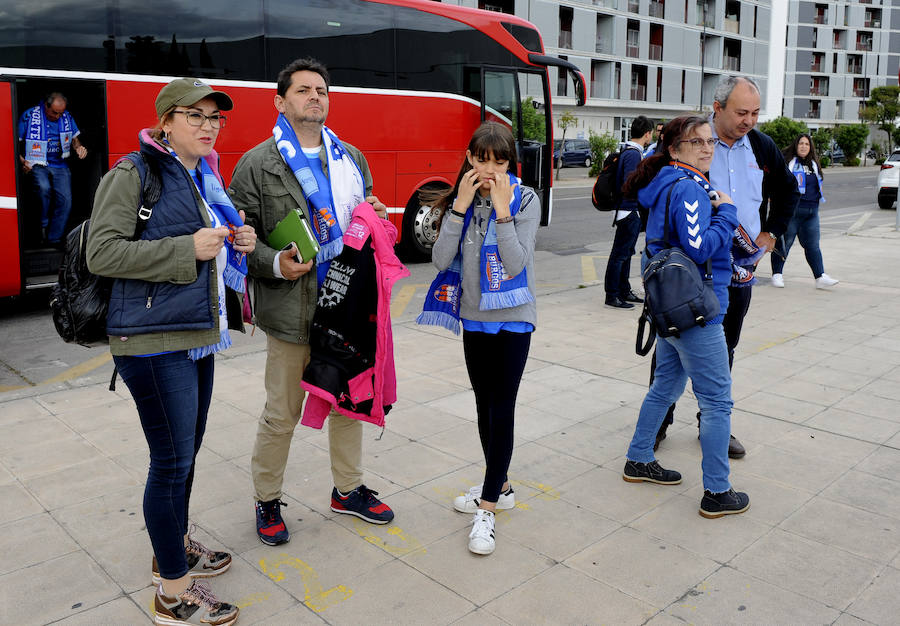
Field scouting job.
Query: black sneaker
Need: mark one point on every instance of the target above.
(270, 526)
(362, 503)
(652, 472)
(730, 502)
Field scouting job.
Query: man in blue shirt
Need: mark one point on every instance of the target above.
(748, 166)
(628, 221)
(47, 133)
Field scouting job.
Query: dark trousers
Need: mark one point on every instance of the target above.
(172, 394)
(618, 267)
(732, 323)
(495, 364)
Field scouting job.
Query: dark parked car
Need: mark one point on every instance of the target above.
(575, 152)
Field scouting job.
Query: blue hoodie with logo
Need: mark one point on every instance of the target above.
(694, 226)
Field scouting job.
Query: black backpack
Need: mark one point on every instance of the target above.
(607, 192)
(79, 300)
(675, 297)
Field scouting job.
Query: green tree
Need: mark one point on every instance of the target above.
(533, 124)
(852, 139)
(783, 130)
(601, 146)
(822, 138)
(565, 121)
(882, 108)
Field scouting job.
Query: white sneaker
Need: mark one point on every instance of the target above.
(778, 280)
(825, 281)
(469, 501)
(481, 539)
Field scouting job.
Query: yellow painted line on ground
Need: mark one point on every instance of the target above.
(4, 388)
(772, 344)
(401, 298)
(80, 369)
(588, 269)
(316, 597)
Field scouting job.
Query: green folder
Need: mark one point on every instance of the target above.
(294, 227)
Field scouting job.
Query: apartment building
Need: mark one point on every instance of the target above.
(658, 58)
(836, 52)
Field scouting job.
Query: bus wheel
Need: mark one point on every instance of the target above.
(420, 224)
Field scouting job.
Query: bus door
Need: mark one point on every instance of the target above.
(86, 101)
(501, 101)
(10, 274)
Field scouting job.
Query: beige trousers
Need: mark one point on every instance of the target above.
(284, 400)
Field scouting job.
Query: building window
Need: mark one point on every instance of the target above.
(818, 86)
(500, 6)
(659, 84)
(814, 109)
(864, 41)
(840, 37)
(873, 18)
(861, 87)
(634, 6)
(683, 84)
(733, 16)
(565, 27)
(821, 16)
(618, 82)
(839, 110)
(706, 13)
(638, 82)
(657, 8)
(731, 59)
(633, 39)
(854, 63)
(656, 42)
(562, 85)
(817, 59)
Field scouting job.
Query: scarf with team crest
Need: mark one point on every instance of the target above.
(36, 140)
(348, 187)
(499, 290)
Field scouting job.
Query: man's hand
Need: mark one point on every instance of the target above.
(378, 205)
(287, 263)
(26, 165)
(765, 240)
(81, 151)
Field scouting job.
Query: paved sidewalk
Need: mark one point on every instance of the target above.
(817, 385)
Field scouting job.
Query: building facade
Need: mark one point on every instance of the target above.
(659, 58)
(835, 54)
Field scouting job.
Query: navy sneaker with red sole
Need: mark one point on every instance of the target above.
(362, 503)
(270, 526)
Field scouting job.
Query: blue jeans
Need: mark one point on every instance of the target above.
(172, 394)
(805, 226)
(618, 267)
(700, 353)
(53, 186)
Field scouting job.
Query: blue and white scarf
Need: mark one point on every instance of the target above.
(348, 187)
(234, 274)
(797, 169)
(499, 290)
(36, 138)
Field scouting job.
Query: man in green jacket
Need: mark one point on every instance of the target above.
(335, 178)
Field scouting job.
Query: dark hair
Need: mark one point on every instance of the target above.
(791, 151)
(640, 126)
(491, 138)
(306, 64)
(672, 133)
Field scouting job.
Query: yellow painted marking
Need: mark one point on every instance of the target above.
(397, 542)
(588, 269)
(316, 597)
(253, 598)
(401, 299)
(4, 388)
(81, 369)
(547, 492)
(772, 344)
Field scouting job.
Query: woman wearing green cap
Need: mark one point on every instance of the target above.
(175, 294)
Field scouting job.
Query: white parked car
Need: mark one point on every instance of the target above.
(888, 180)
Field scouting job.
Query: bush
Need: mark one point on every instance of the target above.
(852, 162)
(783, 130)
(601, 146)
(824, 161)
(822, 138)
(851, 138)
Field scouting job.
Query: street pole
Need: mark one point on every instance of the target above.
(702, 54)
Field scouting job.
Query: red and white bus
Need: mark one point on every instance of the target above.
(411, 79)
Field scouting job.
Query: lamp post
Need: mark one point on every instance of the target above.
(702, 52)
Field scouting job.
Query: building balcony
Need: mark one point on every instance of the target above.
(632, 50)
(634, 6)
(602, 46)
(657, 9)
(565, 39)
(606, 4)
(818, 91)
(813, 114)
(820, 19)
(873, 23)
(866, 45)
(639, 92)
(656, 51)
(731, 63)
(855, 68)
(816, 67)
(860, 92)
(732, 26)
(838, 44)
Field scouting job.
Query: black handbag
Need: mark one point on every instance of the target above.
(676, 298)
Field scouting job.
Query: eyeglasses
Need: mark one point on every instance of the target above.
(195, 118)
(697, 142)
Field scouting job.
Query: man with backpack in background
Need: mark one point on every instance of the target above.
(628, 221)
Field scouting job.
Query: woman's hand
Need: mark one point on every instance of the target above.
(723, 197)
(468, 186)
(244, 237)
(208, 242)
(501, 194)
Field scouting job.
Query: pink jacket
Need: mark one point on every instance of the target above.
(379, 381)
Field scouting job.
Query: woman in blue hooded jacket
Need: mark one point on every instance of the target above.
(702, 224)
